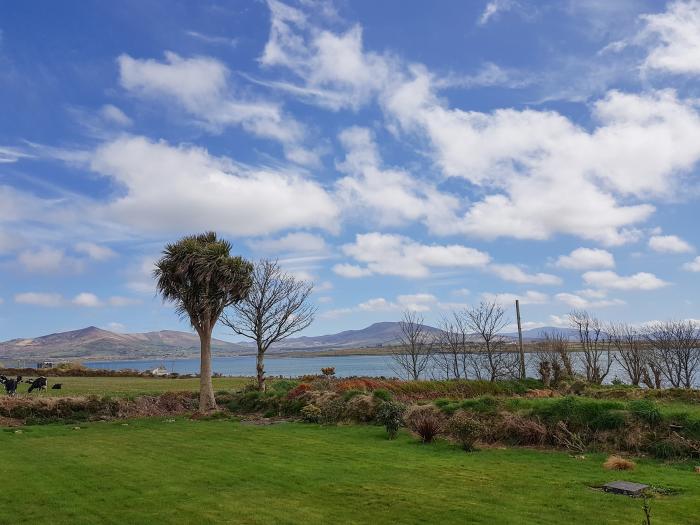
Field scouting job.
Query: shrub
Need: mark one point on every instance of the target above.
(582, 415)
(349, 394)
(390, 414)
(426, 421)
(646, 411)
(311, 414)
(332, 409)
(361, 408)
(329, 371)
(618, 463)
(674, 446)
(515, 429)
(465, 429)
(482, 405)
(298, 391)
(382, 394)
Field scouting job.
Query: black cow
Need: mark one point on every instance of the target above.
(57, 386)
(10, 384)
(38, 384)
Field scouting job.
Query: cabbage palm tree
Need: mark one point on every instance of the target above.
(198, 274)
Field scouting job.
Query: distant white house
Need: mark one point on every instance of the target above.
(160, 371)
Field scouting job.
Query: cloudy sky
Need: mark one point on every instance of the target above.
(400, 157)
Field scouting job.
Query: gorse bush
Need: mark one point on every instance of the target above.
(361, 408)
(311, 414)
(426, 421)
(382, 394)
(465, 429)
(390, 414)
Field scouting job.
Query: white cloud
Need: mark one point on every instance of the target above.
(611, 280)
(117, 300)
(113, 114)
(351, 271)
(215, 192)
(529, 297)
(586, 259)
(296, 242)
(39, 299)
(675, 36)
(9, 155)
(493, 9)
(693, 266)
(577, 301)
(387, 254)
(513, 273)
(669, 244)
(201, 86)
(388, 197)
(87, 300)
(421, 302)
(116, 327)
(48, 260)
(209, 39)
(95, 251)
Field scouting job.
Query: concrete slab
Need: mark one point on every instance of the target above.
(626, 488)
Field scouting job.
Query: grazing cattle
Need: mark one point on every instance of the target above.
(11, 384)
(57, 386)
(38, 384)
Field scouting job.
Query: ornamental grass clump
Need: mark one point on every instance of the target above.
(426, 421)
(618, 463)
(390, 414)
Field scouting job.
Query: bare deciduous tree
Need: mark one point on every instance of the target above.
(452, 347)
(595, 346)
(276, 307)
(676, 350)
(630, 351)
(412, 355)
(487, 321)
(554, 350)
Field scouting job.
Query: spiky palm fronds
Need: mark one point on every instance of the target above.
(198, 274)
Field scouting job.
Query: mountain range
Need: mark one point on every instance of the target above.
(98, 344)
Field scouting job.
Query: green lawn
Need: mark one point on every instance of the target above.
(124, 386)
(154, 471)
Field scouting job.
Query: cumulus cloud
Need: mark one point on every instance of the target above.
(611, 280)
(693, 266)
(389, 197)
(95, 251)
(540, 173)
(674, 35)
(513, 273)
(201, 86)
(39, 299)
(296, 242)
(87, 300)
(529, 297)
(669, 244)
(420, 302)
(387, 254)
(586, 259)
(48, 260)
(580, 302)
(214, 191)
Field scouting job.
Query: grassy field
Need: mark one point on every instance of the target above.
(126, 386)
(188, 471)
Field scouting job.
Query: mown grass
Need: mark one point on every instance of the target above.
(130, 386)
(154, 471)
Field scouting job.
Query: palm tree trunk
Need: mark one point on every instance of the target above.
(260, 369)
(207, 403)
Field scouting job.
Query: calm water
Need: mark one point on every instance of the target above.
(345, 366)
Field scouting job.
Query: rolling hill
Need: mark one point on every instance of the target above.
(96, 343)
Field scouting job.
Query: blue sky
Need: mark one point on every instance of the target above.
(400, 157)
